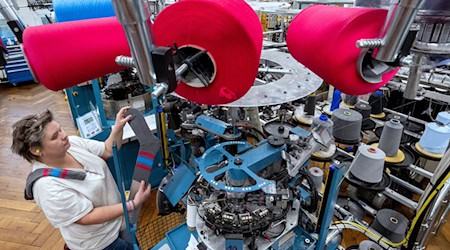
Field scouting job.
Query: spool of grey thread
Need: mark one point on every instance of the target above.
(369, 245)
(396, 117)
(347, 125)
(368, 164)
(310, 105)
(391, 137)
(391, 224)
(365, 110)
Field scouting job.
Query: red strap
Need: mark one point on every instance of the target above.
(64, 173)
(147, 154)
(143, 167)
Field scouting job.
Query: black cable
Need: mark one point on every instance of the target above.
(277, 235)
(314, 195)
(285, 211)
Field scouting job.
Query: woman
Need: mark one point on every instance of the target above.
(78, 194)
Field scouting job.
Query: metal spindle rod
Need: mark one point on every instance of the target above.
(414, 78)
(396, 29)
(134, 15)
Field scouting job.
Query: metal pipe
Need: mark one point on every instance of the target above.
(129, 62)
(159, 89)
(407, 132)
(415, 72)
(134, 15)
(281, 38)
(180, 71)
(406, 185)
(406, 116)
(442, 219)
(331, 234)
(342, 211)
(272, 70)
(396, 29)
(12, 19)
(272, 32)
(400, 198)
(420, 171)
(9, 13)
(427, 224)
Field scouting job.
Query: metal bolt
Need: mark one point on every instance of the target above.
(369, 43)
(238, 161)
(125, 61)
(307, 241)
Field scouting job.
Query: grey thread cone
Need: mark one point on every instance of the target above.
(365, 110)
(368, 164)
(391, 137)
(347, 124)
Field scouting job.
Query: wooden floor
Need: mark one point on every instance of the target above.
(22, 224)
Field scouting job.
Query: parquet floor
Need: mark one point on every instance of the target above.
(22, 224)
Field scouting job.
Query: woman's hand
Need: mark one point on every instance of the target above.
(142, 194)
(121, 120)
(116, 133)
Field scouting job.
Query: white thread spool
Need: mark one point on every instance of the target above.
(191, 215)
(317, 177)
(369, 245)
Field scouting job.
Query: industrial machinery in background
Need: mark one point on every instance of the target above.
(284, 167)
(247, 196)
(124, 89)
(14, 66)
(429, 58)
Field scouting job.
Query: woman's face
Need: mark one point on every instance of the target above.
(56, 142)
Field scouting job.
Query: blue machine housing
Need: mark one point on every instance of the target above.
(178, 185)
(241, 166)
(81, 100)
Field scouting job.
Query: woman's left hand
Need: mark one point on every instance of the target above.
(121, 120)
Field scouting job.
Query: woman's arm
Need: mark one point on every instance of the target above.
(116, 133)
(103, 214)
(99, 215)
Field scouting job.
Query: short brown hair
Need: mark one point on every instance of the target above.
(29, 132)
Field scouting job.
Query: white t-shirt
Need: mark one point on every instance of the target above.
(65, 201)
